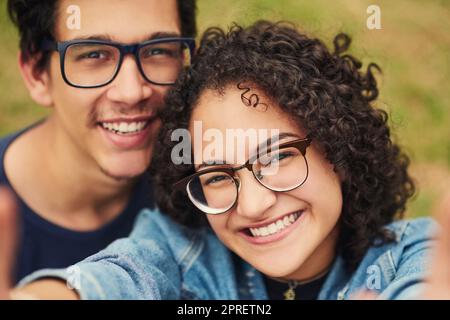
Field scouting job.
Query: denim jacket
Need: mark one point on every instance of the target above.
(164, 260)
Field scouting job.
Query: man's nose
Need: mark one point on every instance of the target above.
(129, 87)
(254, 199)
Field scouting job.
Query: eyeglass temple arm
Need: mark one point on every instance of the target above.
(305, 144)
(47, 44)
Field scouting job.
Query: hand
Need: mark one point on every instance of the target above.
(438, 284)
(8, 234)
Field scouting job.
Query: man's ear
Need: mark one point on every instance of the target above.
(37, 82)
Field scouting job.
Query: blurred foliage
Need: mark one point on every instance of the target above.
(412, 49)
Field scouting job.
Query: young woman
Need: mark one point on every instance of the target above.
(310, 213)
(326, 216)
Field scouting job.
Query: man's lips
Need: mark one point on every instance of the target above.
(128, 132)
(128, 119)
(127, 125)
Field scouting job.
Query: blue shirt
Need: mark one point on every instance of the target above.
(43, 244)
(164, 260)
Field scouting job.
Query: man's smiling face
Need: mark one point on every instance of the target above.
(114, 126)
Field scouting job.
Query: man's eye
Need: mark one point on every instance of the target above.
(94, 55)
(158, 52)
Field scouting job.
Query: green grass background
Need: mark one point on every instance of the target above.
(413, 49)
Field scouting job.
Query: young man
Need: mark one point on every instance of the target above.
(78, 174)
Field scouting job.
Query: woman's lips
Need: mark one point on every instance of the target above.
(264, 239)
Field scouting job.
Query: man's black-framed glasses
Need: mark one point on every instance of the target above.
(96, 63)
(280, 169)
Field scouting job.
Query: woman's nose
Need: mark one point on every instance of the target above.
(254, 199)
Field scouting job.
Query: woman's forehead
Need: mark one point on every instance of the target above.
(228, 110)
(224, 129)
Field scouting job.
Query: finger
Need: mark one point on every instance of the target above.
(364, 295)
(8, 225)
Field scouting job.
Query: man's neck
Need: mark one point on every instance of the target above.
(60, 183)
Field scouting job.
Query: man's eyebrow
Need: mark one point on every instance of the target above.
(160, 35)
(262, 145)
(102, 37)
(107, 37)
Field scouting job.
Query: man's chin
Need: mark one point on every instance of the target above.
(123, 175)
(126, 165)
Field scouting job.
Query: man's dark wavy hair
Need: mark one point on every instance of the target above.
(36, 20)
(327, 93)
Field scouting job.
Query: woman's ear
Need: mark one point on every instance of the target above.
(341, 174)
(37, 82)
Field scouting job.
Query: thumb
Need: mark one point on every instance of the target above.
(8, 225)
(364, 295)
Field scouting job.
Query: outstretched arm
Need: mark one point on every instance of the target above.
(437, 284)
(141, 266)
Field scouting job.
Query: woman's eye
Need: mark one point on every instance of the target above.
(277, 158)
(216, 179)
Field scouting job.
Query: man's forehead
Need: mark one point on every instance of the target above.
(117, 20)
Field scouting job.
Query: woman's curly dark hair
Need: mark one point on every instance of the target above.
(330, 97)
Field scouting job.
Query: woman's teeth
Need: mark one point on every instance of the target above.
(275, 226)
(124, 127)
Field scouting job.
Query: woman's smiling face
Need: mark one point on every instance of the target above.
(304, 245)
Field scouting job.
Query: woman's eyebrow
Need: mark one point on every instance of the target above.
(205, 164)
(262, 146)
(276, 138)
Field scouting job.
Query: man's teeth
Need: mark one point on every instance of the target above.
(124, 127)
(276, 226)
